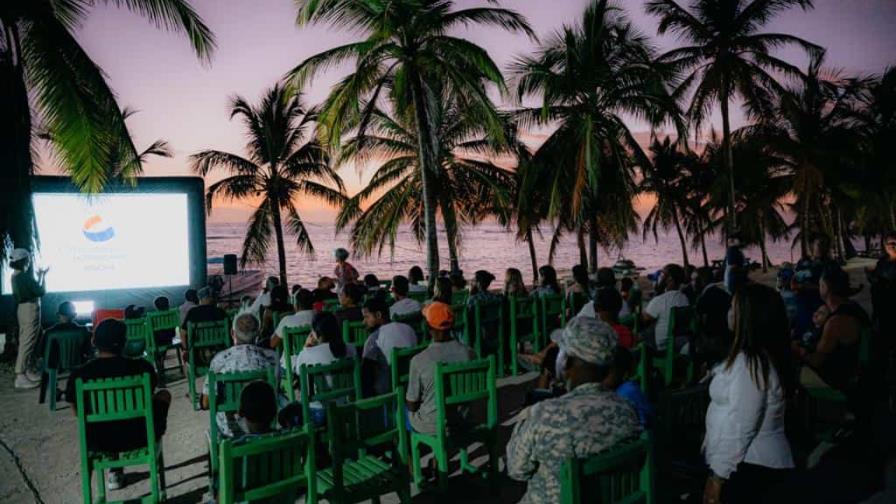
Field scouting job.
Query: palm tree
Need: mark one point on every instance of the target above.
(530, 207)
(665, 177)
(405, 48)
(728, 57)
(469, 187)
(589, 77)
(279, 168)
(41, 63)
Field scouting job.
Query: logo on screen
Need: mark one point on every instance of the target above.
(95, 231)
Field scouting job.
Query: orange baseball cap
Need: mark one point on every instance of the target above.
(439, 315)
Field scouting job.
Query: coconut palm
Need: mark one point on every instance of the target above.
(46, 74)
(278, 168)
(728, 57)
(469, 187)
(406, 46)
(589, 78)
(665, 177)
(530, 206)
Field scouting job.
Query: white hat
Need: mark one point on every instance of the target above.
(19, 254)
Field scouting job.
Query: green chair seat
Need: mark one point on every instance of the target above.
(111, 460)
(366, 473)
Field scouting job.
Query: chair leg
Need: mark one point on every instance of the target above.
(441, 455)
(101, 484)
(493, 458)
(86, 487)
(51, 386)
(162, 484)
(415, 464)
(43, 388)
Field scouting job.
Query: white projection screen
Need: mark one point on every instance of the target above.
(113, 241)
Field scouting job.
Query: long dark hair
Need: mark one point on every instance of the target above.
(328, 330)
(580, 275)
(443, 290)
(549, 278)
(761, 334)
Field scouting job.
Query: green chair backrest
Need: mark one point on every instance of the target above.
(208, 335)
(462, 383)
(64, 349)
(165, 319)
(460, 297)
(338, 381)
(400, 365)
(461, 319)
(364, 425)
(293, 343)
(139, 337)
(523, 323)
(488, 320)
(354, 333)
(264, 467)
(420, 297)
(114, 399)
(624, 474)
(550, 310)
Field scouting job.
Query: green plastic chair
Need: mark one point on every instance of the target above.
(460, 297)
(416, 321)
(338, 381)
(224, 397)
(524, 327)
(461, 327)
(138, 335)
(64, 351)
(368, 449)
(489, 317)
(550, 313)
(208, 338)
(456, 385)
(115, 399)
(160, 321)
(682, 320)
(400, 364)
(354, 333)
(624, 474)
(273, 467)
(293, 343)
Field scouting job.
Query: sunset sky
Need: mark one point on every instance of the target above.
(186, 103)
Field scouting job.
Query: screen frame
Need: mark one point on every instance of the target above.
(193, 187)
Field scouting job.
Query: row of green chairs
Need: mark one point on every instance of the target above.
(141, 340)
(63, 352)
(204, 340)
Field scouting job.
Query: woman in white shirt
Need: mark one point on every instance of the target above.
(745, 445)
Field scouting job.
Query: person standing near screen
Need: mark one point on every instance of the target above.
(27, 291)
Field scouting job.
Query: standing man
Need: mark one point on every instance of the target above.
(27, 291)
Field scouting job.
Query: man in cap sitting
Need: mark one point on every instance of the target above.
(124, 435)
(421, 395)
(244, 355)
(589, 419)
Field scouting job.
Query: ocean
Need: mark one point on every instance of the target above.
(485, 246)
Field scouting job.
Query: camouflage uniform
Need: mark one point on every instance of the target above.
(238, 358)
(587, 420)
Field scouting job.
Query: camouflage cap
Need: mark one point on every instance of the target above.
(589, 339)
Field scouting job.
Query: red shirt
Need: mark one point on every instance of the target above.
(626, 339)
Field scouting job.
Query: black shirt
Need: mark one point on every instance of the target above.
(352, 314)
(203, 313)
(118, 435)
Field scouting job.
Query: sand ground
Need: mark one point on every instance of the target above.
(39, 459)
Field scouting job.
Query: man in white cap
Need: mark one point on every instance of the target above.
(589, 419)
(27, 291)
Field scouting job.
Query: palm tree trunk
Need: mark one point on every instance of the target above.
(15, 152)
(592, 246)
(580, 241)
(681, 238)
(532, 256)
(703, 249)
(450, 219)
(281, 246)
(765, 261)
(804, 227)
(729, 156)
(427, 145)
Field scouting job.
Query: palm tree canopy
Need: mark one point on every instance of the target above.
(280, 166)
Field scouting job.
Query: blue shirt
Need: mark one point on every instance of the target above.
(631, 392)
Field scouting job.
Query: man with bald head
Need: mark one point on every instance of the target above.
(243, 356)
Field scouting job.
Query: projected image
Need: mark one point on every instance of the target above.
(112, 241)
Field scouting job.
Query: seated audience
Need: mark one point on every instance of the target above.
(660, 307)
(589, 419)
(607, 304)
(372, 286)
(835, 361)
(403, 305)
(264, 298)
(279, 304)
(258, 408)
(712, 308)
(514, 286)
(417, 283)
(191, 299)
(479, 293)
(350, 299)
(631, 297)
(745, 446)
(377, 354)
(65, 318)
(165, 336)
(624, 366)
(118, 436)
(581, 284)
(304, 313)
(206, 311)
(244, 355)
(547, 282)
(420, 395)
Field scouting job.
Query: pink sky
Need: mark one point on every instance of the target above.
(186, 103)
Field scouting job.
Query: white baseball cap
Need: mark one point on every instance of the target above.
(19, 254)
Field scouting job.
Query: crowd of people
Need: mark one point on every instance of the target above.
(759, 348)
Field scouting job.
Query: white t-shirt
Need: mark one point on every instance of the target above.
(587, 311)
(262, 301)
(298, 319)
(405, 306)
(659, 308)
(379, 346)
(416, 288)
